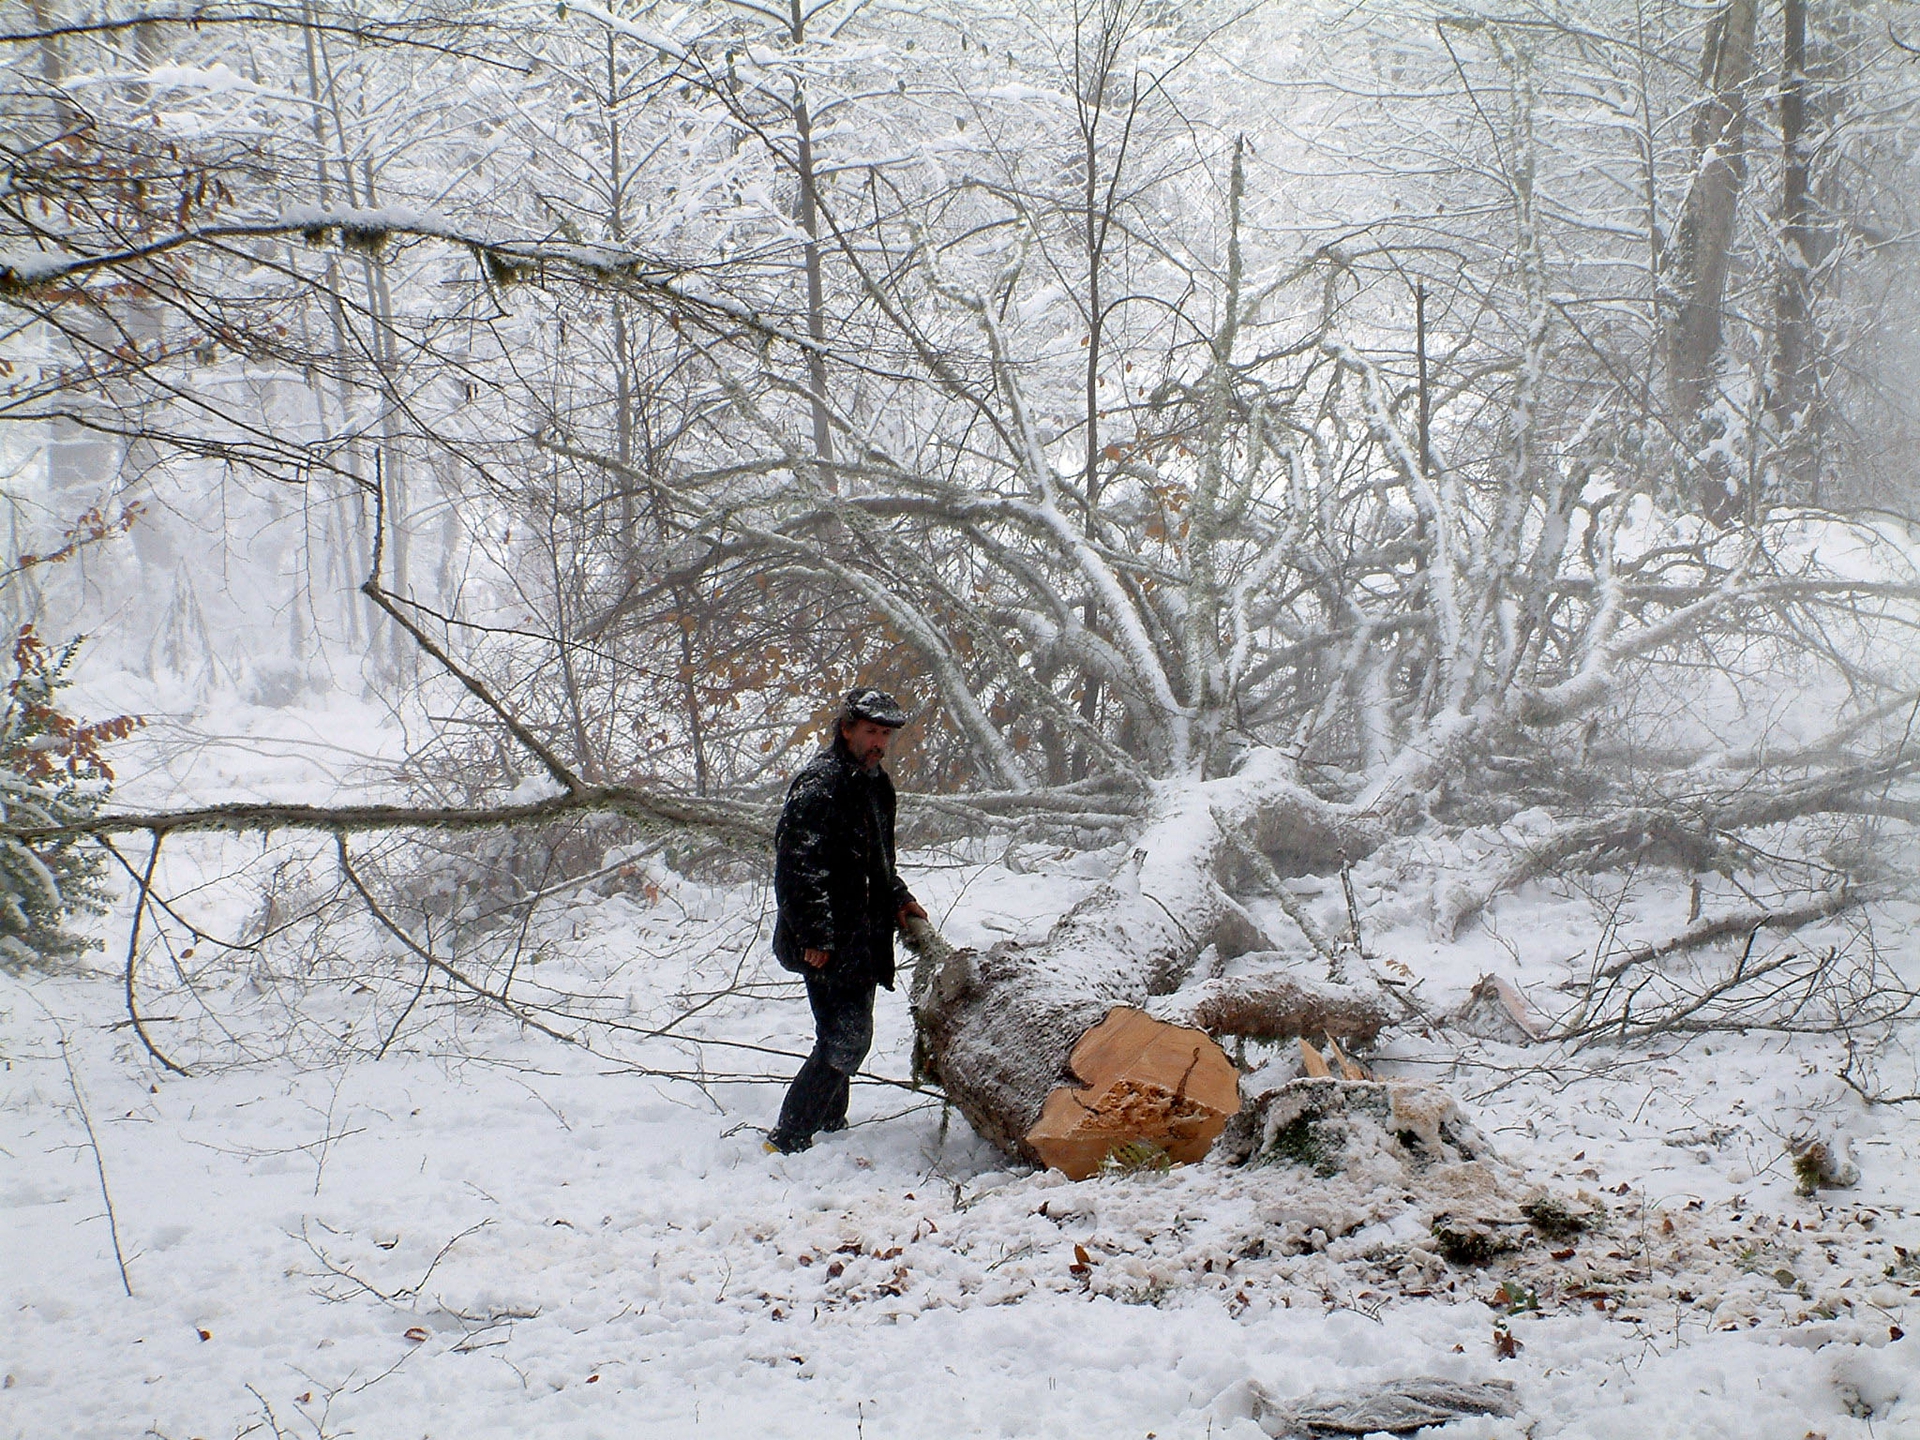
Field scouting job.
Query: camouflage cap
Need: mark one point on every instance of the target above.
(865, 703)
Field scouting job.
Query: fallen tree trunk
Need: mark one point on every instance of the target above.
(1046, 1049)
(1276, 1005)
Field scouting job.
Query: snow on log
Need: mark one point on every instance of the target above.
(1272, 1005)
(1002, 1031)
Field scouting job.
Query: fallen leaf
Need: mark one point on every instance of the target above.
(1566, 1254)
(419, 1334)
(204, 1334)
(593, 1379)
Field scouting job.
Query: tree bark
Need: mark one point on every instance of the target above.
(808, 214)
(1790, 397)
(1706, 236)
(1277, 1005)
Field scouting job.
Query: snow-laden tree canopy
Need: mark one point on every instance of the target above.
(1256, 434)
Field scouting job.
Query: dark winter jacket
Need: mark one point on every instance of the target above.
(833, 875)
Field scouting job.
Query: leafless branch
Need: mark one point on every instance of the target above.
(140, 901)
(99, 1165)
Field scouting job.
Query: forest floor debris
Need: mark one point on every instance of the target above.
(491, 1233)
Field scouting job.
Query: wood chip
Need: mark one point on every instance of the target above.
(1349, 1068)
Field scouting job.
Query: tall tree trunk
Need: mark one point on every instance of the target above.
(1790, 398)
(816, 286)
(1706, 243)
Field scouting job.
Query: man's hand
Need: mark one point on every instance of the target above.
(816, 958)
(911, 908)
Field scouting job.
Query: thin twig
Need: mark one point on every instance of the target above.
(434, 962)
(99, 1166)
(390, 604)
(133, 956)
(426, 974)
(1748, 923)
(555, 767)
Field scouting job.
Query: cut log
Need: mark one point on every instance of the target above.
(1001, 1030)
(1141, 1080)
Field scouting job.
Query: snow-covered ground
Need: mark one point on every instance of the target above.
(489, 1232)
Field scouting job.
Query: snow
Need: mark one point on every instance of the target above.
(30, 267)
(382, 218)
(488, 1232)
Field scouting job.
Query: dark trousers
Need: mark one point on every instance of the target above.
(843, 1032)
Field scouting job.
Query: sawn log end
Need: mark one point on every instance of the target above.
(1142, 1079)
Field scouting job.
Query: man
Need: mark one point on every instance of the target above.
(840, 900)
